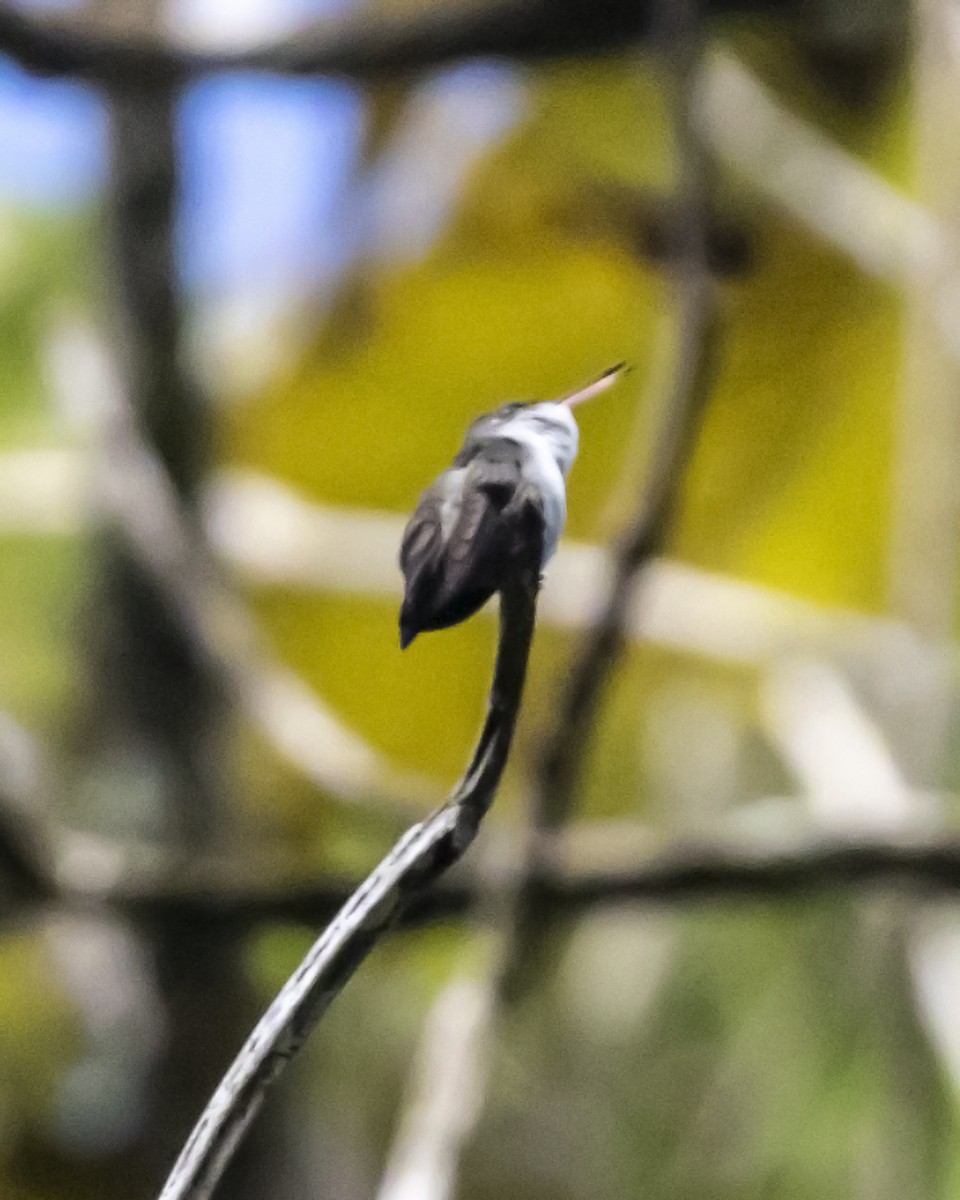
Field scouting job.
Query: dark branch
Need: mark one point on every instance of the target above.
(815, 864)
(685, 873)
(364, 46)
(23, 871)
(562, 761)
(418, 859)
(602, 646)
(150, 687)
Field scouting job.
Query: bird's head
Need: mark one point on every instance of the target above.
(551, 422)
(548, 421)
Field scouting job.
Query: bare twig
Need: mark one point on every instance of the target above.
(603, 643)
(418, 859)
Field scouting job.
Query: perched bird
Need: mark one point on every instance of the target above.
(461, 542)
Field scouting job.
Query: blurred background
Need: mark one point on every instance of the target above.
(261, 262)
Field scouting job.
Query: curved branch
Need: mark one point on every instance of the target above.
(419, 858)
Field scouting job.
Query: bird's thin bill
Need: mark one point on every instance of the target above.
(606, 380)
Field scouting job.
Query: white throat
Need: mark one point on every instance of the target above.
(547, 428)
(549, 431)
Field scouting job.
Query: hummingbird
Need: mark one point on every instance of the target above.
(460, 544)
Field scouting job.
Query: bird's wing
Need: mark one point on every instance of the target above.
(421, 560)
(474, 551)
(422, 545)
(458, 541)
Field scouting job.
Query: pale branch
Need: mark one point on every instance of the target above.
(417, 860)
(829, 741)
(831, 192)
(138, 498)
(266, 533)
(446, 1083)
(363, 46)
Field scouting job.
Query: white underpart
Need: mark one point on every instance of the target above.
(550, 433)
